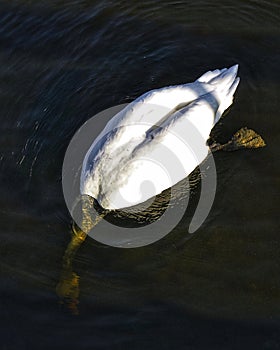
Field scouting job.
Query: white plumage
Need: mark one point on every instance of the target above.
(156, 141)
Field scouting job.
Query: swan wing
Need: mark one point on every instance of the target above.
(136, 154)
(138, 171)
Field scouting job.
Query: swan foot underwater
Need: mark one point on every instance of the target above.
(201, 103)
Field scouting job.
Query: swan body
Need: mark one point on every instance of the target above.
(156, 140)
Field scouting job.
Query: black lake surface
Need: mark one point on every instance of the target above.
(63, 62)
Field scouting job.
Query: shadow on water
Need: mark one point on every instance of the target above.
(61, 64)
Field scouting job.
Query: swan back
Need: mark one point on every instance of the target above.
(175, 120)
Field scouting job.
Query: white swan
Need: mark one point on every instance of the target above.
(156, 141)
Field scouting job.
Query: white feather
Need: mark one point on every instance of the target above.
(156, 141)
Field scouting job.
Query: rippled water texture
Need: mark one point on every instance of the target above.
(63, 62)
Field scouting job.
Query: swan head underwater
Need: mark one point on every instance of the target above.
(150, 146)
(145, 150)
(158, 140)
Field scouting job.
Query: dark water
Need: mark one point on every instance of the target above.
(61, 63)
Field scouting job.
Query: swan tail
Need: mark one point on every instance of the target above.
(206, 77)
(225, 85)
